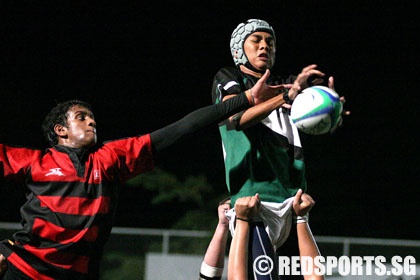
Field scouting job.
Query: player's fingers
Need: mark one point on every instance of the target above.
(254, 201)
(315, 72)
(308, 199)
(281, 88)
(309, 67)
(306, 196)
(307, 202)
(225, 207)
(258, 201)
(297, 199)
(257, 197)
(311, 70)
(264, 77)
(331, 83)
(343, 101)
(245, 201)
(289, 86)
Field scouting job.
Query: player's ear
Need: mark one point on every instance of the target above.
(60, 130)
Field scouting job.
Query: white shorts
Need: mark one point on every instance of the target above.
(277, 219)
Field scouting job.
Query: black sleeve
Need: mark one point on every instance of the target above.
(196, 120)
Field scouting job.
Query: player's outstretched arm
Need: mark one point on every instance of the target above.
(269, 98)
(205, 116)
(198, 119)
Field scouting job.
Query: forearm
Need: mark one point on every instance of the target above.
(306, 241)
(238, 253)
(258, 112)
(198, 119)
(308, 247)
(215, 254)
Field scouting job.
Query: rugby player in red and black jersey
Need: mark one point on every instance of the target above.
(72, 186)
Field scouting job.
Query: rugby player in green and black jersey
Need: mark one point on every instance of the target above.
(261, 145)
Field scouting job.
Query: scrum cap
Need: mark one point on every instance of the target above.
(241, 32)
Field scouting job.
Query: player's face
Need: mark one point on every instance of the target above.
(81, 128)
(260, 50)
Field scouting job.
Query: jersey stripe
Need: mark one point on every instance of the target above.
(62, 235)
(67, 261)
(76, 205)
(26, 268)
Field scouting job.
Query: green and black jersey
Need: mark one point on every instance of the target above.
(266, 158)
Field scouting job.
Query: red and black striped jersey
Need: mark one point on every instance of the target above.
(72, 195)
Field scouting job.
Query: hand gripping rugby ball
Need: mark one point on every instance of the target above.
(316, 110)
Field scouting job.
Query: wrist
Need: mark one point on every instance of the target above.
(289, 95)
(244, 219)
(250, 97)
(208, 271)
(301, 219)
(286, 97)
(223, 225)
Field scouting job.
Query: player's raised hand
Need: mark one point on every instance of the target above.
(261, 91)
(343, 101)
(302, 80)
(309, 76)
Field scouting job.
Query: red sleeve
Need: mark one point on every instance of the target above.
(132, 156)
(15, 161)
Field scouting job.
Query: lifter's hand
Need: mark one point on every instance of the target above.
(247, 207)
(302, 203)
(221, 211)
(3, 265)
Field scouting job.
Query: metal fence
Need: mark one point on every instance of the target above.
(344, 242)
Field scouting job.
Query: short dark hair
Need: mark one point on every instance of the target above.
(58, 115)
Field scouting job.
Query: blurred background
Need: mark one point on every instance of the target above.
(145, 65)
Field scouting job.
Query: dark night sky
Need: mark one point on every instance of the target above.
(143, 66)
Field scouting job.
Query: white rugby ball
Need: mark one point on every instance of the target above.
(316, 110)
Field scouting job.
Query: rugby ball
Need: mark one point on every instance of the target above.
(316, 110)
